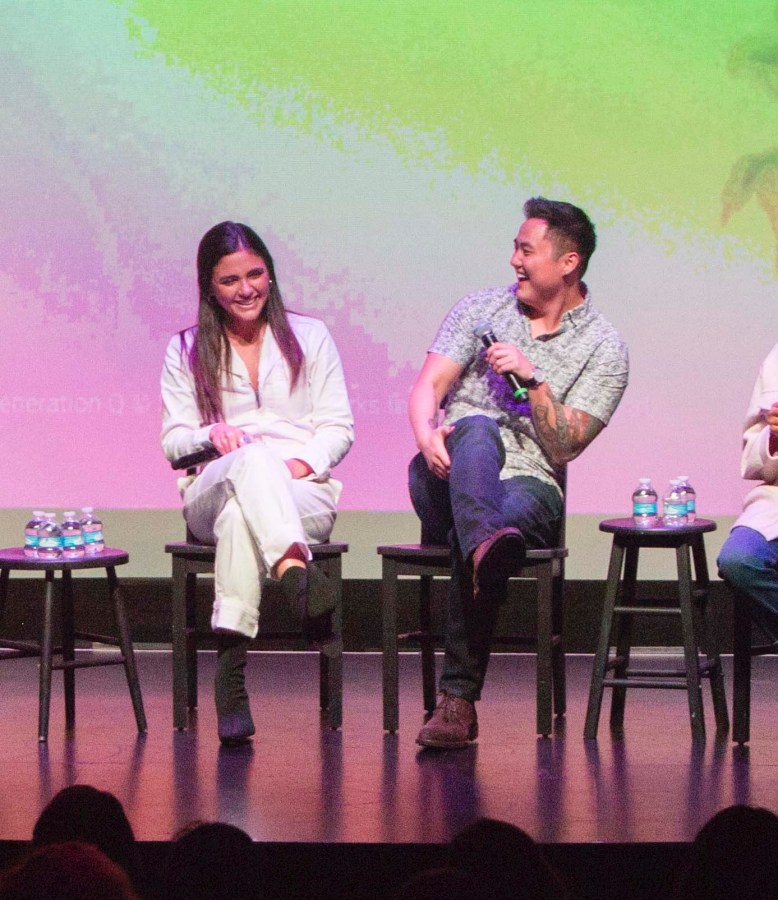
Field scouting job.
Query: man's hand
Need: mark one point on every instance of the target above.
(226, 438)
(434, 451)
(436, 377)
(504, 358)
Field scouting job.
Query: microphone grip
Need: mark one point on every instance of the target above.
(488, 338)
(191, 460)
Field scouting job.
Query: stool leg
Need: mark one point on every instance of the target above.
(711, 629)
(128, 653)
(558, 661)
(4, 575)
(741, 701)
(47, 647)
(179, 637)
(544, 641)
(190, 640)
(624, 629)
(427, 644)
(603, 646)
(390, 661)
(331, 671)
(68, 650)
(696, 713)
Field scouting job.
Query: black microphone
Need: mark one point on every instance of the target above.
(206, 453)
(484, 331)
(191, 460)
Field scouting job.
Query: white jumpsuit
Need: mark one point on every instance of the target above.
(247, 502)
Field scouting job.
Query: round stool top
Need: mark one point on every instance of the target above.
(14, 558)
(627, 526)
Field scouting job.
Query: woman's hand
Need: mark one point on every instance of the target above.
(226, 438)
(298, 468)
(772, 421)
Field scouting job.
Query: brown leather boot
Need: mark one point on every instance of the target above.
(496, 559)
(453, 725)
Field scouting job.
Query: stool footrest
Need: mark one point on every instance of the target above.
(665, 683)
(20, 646)
(764, 649)
(656, 673)
(96, 638)
(646, 611)
(420, 637)
(87, 663)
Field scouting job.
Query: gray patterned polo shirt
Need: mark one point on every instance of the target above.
(585, 362)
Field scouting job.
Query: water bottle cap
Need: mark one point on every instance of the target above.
(644, 480)
(69, 513)
(38, 512)
(683, 477)
(87, 509)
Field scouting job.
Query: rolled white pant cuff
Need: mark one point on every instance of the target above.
(230, 614)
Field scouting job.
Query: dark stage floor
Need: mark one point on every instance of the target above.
(300, 782)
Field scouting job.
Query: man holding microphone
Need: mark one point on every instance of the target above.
(488, 478)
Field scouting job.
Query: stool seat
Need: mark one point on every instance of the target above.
(191, 559)
(628, 540)
(659, 535)
(13, 558)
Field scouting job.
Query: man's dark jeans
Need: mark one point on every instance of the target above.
(463, 512)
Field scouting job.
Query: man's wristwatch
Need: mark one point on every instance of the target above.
(537, 379)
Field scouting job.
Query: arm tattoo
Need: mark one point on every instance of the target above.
(565, 432)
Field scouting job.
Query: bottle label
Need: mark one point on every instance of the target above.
(675, 508)
(645, 509)
(31, 540)
(49, 543)
(93, 537)
(72, 540)
(691, 506)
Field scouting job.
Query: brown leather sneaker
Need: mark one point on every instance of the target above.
(497, 558)
(452, 726)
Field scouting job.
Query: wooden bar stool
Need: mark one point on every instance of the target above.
(193, 559)
(13, 558)
(628, 539)
(426, 562)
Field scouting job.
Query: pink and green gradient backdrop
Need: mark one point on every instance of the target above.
(383, 150)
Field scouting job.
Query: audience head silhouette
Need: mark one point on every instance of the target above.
(734, 855)
(212, 861)
(506, 861)
(68, 871)
(84, 813)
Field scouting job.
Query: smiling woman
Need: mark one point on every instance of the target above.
(266, 388)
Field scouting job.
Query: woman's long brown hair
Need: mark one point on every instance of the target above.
(209, 355)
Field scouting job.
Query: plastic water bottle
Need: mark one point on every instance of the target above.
(49, 538)
(31, 534)
(92, 530)
(72, 536)
(644, 504)
(691, 497)
(674, 505)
